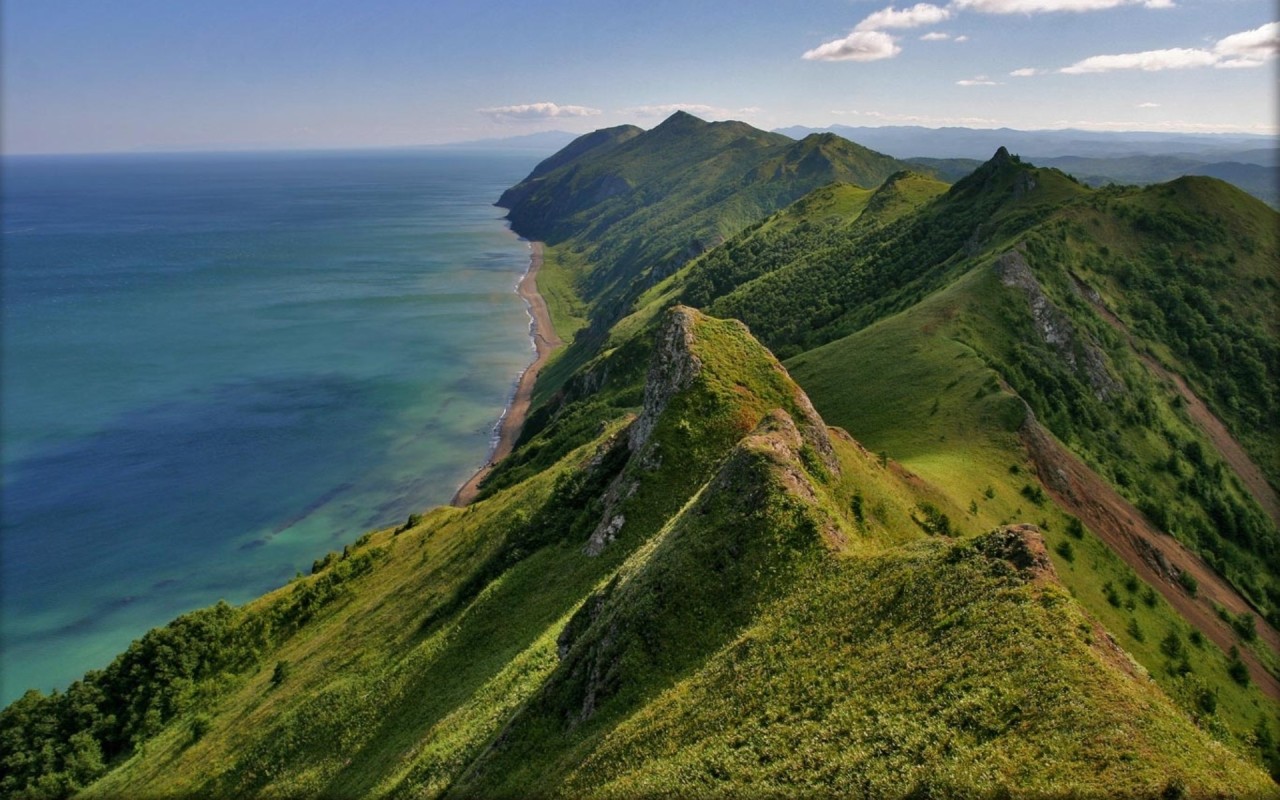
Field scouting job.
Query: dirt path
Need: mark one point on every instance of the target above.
(545, 343)
(1156, 557)
(1236, 457)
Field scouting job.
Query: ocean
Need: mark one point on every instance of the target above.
(214, 368)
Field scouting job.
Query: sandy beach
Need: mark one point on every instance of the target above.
(545, 343)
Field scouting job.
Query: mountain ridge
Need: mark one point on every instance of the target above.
(706, 571)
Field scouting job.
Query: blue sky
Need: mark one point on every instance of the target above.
(142, 75)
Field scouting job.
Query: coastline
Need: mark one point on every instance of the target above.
(545, 342)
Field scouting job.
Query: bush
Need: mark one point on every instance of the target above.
(1075, 529)
(1065, 550)
(1236, 668)
(935, 522)
(413, 521)
(200, 725)
(281, 673)
(1033, 493)
(1134, 631)
(1245, 625)
(1189, 582)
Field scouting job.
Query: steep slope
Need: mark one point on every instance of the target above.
(719, 560)
(683, 582)
(640, 209)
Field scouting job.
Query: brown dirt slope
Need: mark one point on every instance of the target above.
(1235, 456)
(1156, 557)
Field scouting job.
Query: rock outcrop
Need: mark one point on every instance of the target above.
(1077, 349)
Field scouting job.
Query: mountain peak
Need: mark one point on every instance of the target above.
(681, 119)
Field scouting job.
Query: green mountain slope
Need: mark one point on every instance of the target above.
(641, 207)
(722, 596)
(1035, 568)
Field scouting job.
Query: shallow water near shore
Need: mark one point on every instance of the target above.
(217, 367)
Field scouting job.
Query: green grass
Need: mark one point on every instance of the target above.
(909, 387)
(777, 612)
(557, 281)
(955, 675)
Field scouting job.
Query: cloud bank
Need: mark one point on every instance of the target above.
(1250, 48)
(537, 111)
(1050, 6)
(869, 42)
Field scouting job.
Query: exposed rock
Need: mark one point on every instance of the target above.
(813, 429)
(605, 533)
(1022, 546)
(1024, 184)
(673, 369)
(1156, 559)
(1078, 350)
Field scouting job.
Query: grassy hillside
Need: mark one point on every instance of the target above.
(639, 206)
(1036, 567)
(715, 593)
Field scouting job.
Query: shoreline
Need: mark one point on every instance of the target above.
(545, 342)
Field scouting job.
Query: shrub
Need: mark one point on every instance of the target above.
(935, 522)
(1149, 598)
(1065, 550)
(1134, 631)
(1075, 529)
(1246, 625)
(1236, 668)
(1189, 582)
(413, 521)
(281, 674)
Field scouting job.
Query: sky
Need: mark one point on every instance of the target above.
(147, 75)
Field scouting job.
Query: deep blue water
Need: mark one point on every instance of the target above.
(215, 368)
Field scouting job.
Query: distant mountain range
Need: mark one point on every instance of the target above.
(1097, 158)
(908, 141)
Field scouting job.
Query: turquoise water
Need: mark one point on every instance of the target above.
(216, 368)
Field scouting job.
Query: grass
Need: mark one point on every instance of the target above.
(779, 611)
(955, 675)
(909, 387)
(557, 283)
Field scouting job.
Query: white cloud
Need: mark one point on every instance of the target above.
(1241, 50)
(962, 38)
(1045, 6)
(1147, 61)
(535, 111)
(913, 17)
(1256, 45)
(1148, 105)
(981, 80)
(857, 46)
(1026, 72)
(1239, 63)
(936, 36)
